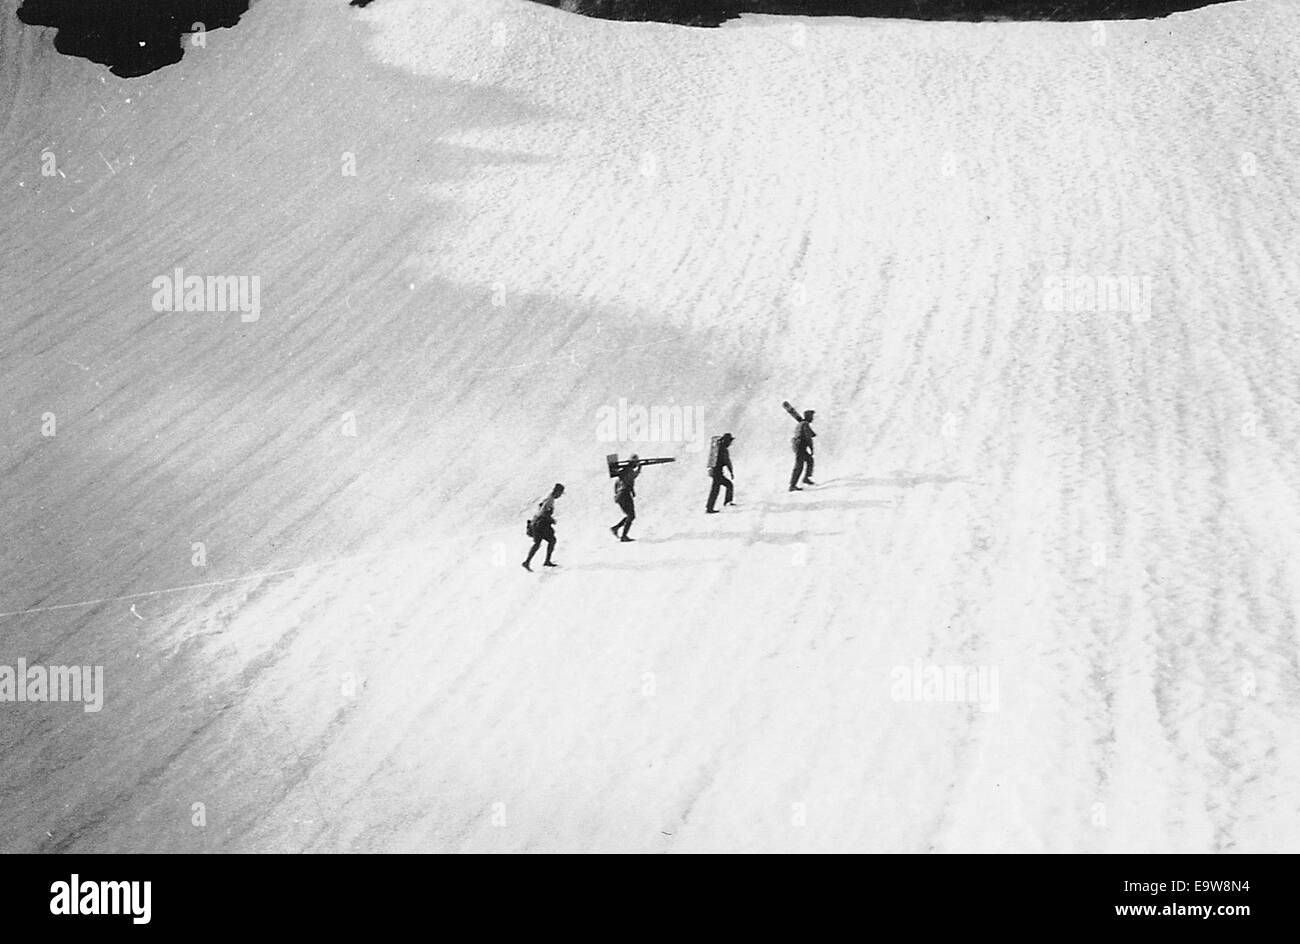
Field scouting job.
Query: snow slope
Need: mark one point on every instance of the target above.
(551, 213)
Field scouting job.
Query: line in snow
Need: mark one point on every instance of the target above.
(226, 581)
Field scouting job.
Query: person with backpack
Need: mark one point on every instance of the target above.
(541, 527)
(721, 461)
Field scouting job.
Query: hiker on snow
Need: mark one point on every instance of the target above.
(625, 496)
(803, 452)
(541, 527)
(721, 462)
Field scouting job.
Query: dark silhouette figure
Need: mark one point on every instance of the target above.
(721, 463)
(625, 497)
(803, 452)
(542, 528)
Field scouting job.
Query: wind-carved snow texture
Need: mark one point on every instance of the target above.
(904, 226)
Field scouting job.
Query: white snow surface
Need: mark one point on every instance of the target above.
(550, 214)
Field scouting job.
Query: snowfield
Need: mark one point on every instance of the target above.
(293, 542)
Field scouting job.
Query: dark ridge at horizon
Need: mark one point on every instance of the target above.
(131, 37)
(716, 12)
(136, 37)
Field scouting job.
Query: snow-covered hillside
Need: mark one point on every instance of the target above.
(1099, 511)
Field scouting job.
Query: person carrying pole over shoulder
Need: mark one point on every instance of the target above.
(625, 496)
(803, 452)
(624, 474)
